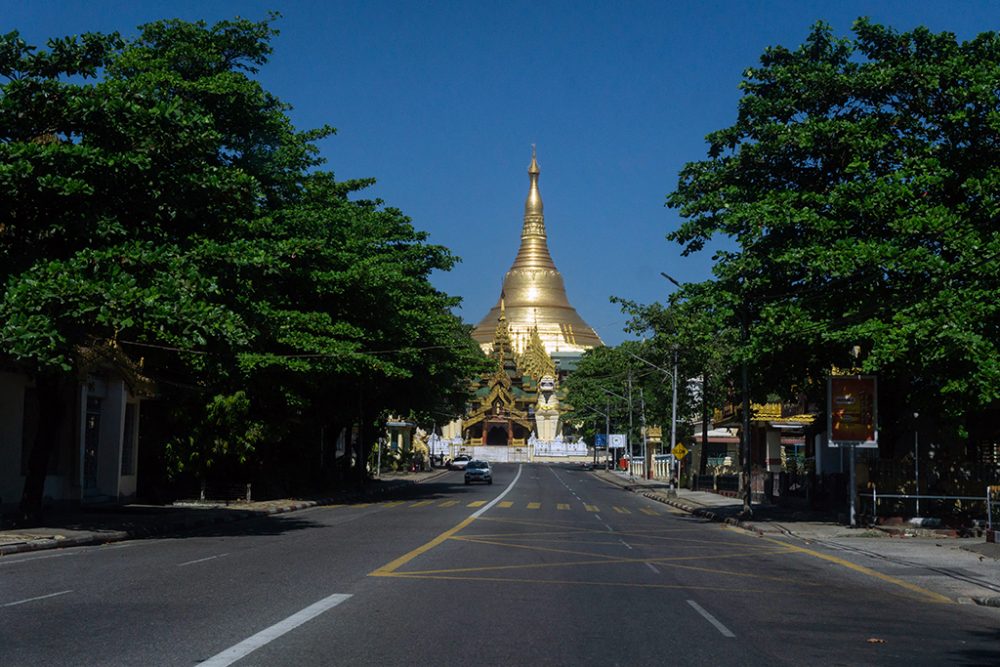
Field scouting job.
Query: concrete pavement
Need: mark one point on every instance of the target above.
(966, 568)
(102, 525)
(968, 560)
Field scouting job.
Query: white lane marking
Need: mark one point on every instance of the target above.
(267, 635)
(201, 560)
(625, 543)
(479, 513)
(28, 560)
(40, 597)
(653, 568)
(726, 632)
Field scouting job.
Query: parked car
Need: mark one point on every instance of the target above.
(478, 471)
(459, 462)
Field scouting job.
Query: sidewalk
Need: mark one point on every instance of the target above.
(101, 525)
(972, 562)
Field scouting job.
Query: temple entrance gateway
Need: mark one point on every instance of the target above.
(497, 436)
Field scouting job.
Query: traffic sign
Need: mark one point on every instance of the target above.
(679, 451)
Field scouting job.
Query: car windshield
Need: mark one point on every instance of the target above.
(478, 464)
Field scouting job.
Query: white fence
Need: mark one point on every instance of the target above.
(660, 468)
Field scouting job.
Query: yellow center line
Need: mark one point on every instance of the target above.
(448, 503)
(646, 510)
(622, 510)
(562, 506)
(476, 503)
(913, 588)
(591, 508)
(394, 503)
(390, 568)
(422, 503)
(534, 506)
(505, 504)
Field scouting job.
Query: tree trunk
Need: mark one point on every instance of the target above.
(50, 414)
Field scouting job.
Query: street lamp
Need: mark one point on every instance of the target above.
(629, 401)
(916, 461)
(607, 427)
(673, 410)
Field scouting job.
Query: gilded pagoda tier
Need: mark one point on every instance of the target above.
(534, 291)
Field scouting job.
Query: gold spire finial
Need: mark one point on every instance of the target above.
(534, 211)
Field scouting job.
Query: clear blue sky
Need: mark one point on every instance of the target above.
(441, 101)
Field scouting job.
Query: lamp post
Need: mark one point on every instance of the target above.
(611, 393)
(673, 410)
(607, 426)
(916, 460)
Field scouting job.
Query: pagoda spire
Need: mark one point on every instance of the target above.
(534, 250)
(533, 295)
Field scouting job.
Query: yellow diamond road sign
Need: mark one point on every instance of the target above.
(679, 451)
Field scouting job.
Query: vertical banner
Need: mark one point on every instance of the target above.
(852, 410)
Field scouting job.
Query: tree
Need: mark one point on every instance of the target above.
(107, 184)
(860, 184)
(160, 204)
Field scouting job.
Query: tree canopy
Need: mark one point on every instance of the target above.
(159, 201)
(859, 189)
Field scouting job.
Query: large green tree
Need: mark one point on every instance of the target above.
(159, 204)
(859, 189)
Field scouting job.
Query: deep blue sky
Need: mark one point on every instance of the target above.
(440, 102)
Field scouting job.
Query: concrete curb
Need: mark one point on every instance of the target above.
(231, 516)
(988, 602)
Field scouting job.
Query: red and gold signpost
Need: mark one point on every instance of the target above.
(852, 419)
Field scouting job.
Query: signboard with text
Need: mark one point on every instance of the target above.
(852, 411)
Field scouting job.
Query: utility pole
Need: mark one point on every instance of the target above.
(607, 429)
(916, 461)
(675, 465)
(703, 463)
(646, 467)
(631, 445)
(745, 440)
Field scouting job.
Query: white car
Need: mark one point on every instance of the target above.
(478, 471)
(459, 462)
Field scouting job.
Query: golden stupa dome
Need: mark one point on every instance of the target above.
(533, 291)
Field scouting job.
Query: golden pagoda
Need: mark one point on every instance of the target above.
(536, 303)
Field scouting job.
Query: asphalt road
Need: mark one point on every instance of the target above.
(547, 566)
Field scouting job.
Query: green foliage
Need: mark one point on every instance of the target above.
(860, 184)
(603, 381)
(156, 195)
(222, 442)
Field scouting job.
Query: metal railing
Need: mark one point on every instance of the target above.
(876, 496)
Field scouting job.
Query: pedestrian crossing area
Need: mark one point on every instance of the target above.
(532, 506)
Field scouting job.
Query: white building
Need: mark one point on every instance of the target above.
(96, 457)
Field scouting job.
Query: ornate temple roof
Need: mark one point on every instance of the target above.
(533, 289)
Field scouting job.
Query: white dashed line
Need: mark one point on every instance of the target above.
(726, 632)
(40, 597)
(652, 567)
(201, 560)
(267, 635)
